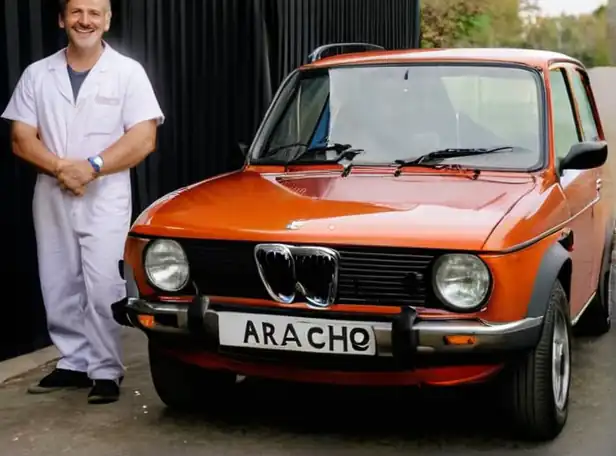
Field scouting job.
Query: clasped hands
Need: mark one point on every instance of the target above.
(74, 175)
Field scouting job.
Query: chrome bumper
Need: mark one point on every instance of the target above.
(419, 336)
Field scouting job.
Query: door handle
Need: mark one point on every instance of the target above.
(599, 184)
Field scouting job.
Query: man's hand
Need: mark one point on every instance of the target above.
(75, 175)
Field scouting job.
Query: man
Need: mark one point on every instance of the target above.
(83, 116)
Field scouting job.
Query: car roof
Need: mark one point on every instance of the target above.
(531, 57)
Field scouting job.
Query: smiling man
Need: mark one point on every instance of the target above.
(83, 117)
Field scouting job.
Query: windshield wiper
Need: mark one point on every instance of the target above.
(438, 156)
(336, 146)
(349, 154)
(340, 148)
(345, 151)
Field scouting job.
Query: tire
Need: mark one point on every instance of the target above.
(186, 387)
(530, 384)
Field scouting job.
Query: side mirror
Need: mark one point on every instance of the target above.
(243, 148)
(585, 155)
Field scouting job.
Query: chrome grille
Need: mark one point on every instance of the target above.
(368, 275)
(380, 276)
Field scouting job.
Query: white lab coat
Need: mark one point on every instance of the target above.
(81, 239)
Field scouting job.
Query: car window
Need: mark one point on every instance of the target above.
(298, 122)
(403, 111)
(565, 127)
(587, 117)
(492, 103)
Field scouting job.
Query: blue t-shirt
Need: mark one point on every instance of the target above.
(77, 79)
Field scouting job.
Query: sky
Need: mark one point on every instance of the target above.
(556, 7)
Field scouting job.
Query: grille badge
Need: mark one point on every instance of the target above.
(286, 270)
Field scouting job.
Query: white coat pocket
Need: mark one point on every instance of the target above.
(105, 117)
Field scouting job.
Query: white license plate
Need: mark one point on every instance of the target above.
(312, 335)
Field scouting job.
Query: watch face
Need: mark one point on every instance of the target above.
(98, 161)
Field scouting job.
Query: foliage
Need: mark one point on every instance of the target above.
(583, 37)
(445, 23)
(514, 23)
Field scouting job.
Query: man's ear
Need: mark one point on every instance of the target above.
(108, 20)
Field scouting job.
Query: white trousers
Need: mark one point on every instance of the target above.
(79, 243)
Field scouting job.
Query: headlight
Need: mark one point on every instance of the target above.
(461, 281)
(166, 265)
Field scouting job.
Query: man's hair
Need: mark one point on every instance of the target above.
(62, 5)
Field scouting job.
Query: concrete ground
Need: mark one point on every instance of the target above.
(275, 419)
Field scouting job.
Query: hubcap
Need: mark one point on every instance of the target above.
(561, 362)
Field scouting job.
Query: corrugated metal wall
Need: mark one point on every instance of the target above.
(214, 64)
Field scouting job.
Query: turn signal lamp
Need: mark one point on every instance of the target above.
(147, 321)
(460, 340)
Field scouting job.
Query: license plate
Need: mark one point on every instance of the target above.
(311, 335)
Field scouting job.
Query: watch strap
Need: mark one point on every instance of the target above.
(96, 163)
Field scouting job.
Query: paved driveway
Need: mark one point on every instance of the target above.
(273, 419)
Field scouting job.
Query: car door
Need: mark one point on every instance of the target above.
(592, 131)
(579, 186)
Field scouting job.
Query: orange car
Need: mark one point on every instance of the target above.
(403, 217)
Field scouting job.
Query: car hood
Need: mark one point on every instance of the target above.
(427, 209)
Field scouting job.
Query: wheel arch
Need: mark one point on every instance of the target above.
(606, 258)
(564, 276)
(555, 265)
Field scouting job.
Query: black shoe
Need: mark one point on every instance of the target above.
(60, 379)
(104, 392)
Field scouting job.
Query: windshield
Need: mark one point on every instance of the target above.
(401, 112)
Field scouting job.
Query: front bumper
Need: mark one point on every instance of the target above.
(400, 337)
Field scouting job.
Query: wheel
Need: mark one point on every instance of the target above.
(597, 318)
(537, 386)
(186, 387)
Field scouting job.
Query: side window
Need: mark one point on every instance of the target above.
(589, 125)
(565, 128)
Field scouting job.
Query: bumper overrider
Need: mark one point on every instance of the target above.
(403, 339)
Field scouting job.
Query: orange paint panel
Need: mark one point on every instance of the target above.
(514, 276)
(133, 256)
(531, 57)
(365, 208)
(438, 376)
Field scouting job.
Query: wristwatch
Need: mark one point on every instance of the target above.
(97, 163)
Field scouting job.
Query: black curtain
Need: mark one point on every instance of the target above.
(28, 31)
(214, 65)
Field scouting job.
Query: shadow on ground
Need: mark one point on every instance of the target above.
(360, 414)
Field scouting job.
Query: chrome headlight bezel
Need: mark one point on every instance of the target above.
(181, 260)
(474, 261)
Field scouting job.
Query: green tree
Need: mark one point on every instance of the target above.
(444, 23)
(514, 23)
(471, 23)
(583, 37)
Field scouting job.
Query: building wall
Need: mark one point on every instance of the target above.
(214, 64)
